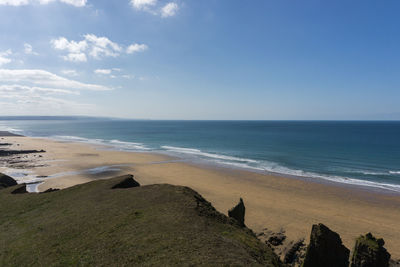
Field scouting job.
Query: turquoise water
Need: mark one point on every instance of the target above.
(354, 152)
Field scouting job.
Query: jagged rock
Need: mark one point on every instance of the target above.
(127, 183)
(325, 249)
(276, 239)
(238, 212)
(295, 252)
(6, 181)
(369, 252)
(50, 190)
(20, 190)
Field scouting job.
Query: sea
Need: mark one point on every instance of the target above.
(363, 153)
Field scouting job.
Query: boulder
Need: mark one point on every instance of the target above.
(369, 252)
(276, 239)
(20, 190)
(6, 181)
(325, 249)
(238, 212)
(128, 182)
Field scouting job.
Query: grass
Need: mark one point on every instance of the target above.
(92, 224)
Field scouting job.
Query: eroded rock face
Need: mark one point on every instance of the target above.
(325, 249)
(129, 182)
(6, 181)
(238, 212)
(369, 252)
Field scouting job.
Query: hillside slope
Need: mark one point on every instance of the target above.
(92, 224)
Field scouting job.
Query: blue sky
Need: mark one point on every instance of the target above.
(208, 59)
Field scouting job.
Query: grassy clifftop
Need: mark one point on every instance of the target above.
(92, 224)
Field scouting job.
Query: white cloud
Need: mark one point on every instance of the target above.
(4, 57)
(143, 4)
(8, 90)
(154, 7)
(40, 92)
(75, 49)
(71, 46)
(77, 3)
(14, 2)
(103, 71)
(133, 48)
(102, 46)
(93, 46)
(45, 78)
(71, 73)
(78, 57)
(169, 10)
(29, 50)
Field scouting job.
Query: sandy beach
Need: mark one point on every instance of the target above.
(272, 201)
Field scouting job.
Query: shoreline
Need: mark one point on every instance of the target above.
(116, 145)
(272, 201)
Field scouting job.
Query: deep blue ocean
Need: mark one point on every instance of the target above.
(354, 152)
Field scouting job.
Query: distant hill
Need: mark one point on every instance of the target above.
(92, 224)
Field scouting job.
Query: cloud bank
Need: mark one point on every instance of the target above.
(45, 78)
(40, 91)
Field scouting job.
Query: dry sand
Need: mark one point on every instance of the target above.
(271, 201)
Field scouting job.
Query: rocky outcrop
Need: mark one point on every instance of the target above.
(6, 181)
(128, 182)
(369, 252)
(20, 190)
(325, 249)
(238, 212)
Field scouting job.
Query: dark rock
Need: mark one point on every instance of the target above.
(325, 249)
(238, 212)
(129, 182)
(5, 144)
(5, 153)
(295, 252)
(6, 181)
(369, 252)
(20, 190)
(276, 239)
(394, 263)
(50, 190)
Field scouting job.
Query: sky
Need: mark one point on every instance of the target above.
(201, 59)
